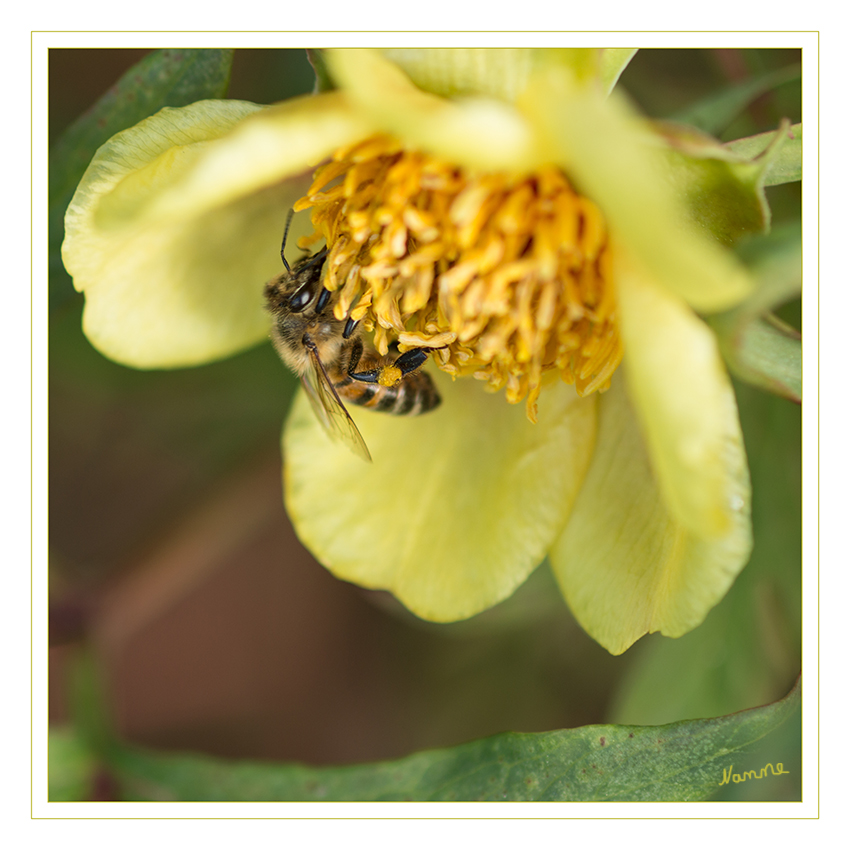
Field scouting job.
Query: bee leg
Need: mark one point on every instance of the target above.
(350, 325)
(369, 377)
(354, 358)
(389, 376)
(411, 360)
(373, 376)
(322, 300)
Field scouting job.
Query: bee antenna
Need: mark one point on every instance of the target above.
(283, 244)
(316, 258)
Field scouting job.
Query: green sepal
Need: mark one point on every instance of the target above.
(715, 113)
(163, 78)
(786, 166)
(758, 347)
(723, 187)
(681, 761)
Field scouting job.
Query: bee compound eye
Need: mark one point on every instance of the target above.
(300, 299)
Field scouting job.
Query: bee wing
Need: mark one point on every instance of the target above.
(329, 409)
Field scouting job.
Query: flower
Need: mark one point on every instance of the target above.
(639, 495)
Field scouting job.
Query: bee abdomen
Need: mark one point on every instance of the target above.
(414, 395)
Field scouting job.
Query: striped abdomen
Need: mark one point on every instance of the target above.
(413, 394)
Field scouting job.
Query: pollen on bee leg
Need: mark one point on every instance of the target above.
(389, 376)
(506, 277)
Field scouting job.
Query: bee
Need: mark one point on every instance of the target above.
(331, 358)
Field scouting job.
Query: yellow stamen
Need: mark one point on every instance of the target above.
(505, 277)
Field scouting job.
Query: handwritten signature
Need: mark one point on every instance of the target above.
(751, 774)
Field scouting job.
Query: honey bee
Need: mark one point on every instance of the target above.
(331, 358)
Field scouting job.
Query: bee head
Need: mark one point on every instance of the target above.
(307, 277)
(293, 291)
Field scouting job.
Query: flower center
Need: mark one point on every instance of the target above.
(506, 277)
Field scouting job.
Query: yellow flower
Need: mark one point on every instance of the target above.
(533, 232)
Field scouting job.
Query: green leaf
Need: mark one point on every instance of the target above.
(92, 723)
(717, 111)
(765, 353)
(787, 166)
(70, 767)
(758, 348)
(163, 78)
(775, 261)
(682, 761)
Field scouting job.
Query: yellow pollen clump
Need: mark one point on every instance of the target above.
(506, 277)
(389, 376)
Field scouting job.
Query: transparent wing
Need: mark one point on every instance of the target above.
(330, 410)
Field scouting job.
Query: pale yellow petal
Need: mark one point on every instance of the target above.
(616, 160)
(460, 504)
(270, 144)
(500, 72)
(684, 402)
(177, 222)
(626, 566)
(188, 293)
(613, 62)
(503, 72)
(477, 132)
